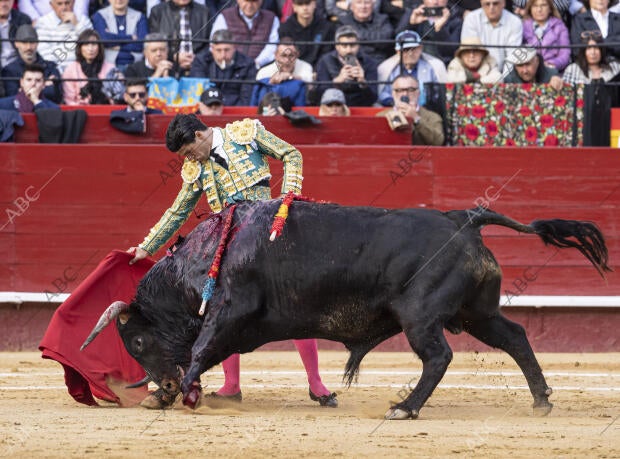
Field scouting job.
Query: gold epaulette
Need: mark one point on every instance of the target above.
(190, 172)
(243, 132)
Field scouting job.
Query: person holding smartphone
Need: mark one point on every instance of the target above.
(426, 126)
(348, 69)
(434, 21)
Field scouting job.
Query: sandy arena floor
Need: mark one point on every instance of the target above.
(481, 409)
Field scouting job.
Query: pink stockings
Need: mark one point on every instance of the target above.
(308, 352)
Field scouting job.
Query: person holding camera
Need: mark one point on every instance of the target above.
(433, 20)
(85, 80)
(426, 126)
(348, 69)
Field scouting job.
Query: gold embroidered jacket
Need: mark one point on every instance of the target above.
(246, 143)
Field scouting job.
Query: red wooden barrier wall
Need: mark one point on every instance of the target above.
(86, 200)
(367, 129)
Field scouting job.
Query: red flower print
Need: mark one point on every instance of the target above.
(531, 134)
(560, 101)
(525, 111)
(546, 121)
(499, 107)
(478, 111)
(468, 89)
(510, 143)
(491, 129)
(462, 110)
(551, 141)
(449, 86)
(527, 87)
(579, 103)
(471, 132)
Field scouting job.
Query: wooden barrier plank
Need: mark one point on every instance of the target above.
(107, 196)
(332, 130)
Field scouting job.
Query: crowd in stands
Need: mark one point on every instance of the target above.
(301, 49)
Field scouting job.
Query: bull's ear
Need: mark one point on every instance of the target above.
(123, 317)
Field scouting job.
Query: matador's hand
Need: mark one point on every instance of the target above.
(139, 254)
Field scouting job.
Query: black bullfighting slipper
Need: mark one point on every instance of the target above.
(232, 398)
(325, 400)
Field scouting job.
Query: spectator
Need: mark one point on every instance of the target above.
(426, 126)
(336, 10)
(186, 21)
(82, 83)
(333, 103)
(528, 68)
(287, 76)
(135, 96)
(371, 26)
(38, 8)
(307, 25)
(211, 102)
(542, 27)
(119, 22)
(256, 27)
(473, 64)
(26, 42)
(597, 18)
(271, 105)
(349, 70)
(155, 62)
(10, 21)
(562, 7)
(227, 68)
(493, 25)
(443, 27)
(409, 60)
(58, 31)
(30, 96)
(592, 64)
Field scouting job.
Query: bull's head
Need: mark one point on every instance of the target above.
(141, 342)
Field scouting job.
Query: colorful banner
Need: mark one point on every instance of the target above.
(514, 115)
(176, 96)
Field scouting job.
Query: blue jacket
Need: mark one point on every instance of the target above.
(295, 90)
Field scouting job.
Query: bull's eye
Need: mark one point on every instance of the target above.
(138, 344)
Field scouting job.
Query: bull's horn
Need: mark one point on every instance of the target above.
(147, 379)
(108, 315)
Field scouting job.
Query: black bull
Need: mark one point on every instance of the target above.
(357, 275)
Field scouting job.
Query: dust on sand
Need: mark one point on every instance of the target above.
(481, 409)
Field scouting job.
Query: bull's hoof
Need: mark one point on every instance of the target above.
(398, 414)
(158, 400)
(325, 400)
(542, 408)
(192, 397)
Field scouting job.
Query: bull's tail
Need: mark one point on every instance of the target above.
(582, 235)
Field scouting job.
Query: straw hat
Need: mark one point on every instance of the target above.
(468, 44)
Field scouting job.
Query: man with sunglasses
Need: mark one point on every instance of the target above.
(228, 165)
(135, 97)
(494, 25)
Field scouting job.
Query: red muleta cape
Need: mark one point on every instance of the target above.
(106, 357)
